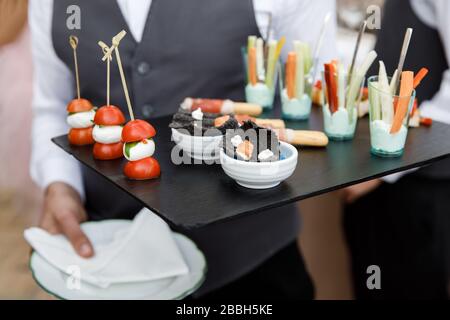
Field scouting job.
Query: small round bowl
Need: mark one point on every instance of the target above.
(198, 147)
(261, 175)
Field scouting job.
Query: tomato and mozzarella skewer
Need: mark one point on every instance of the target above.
(139, 148)
(221, 106)
(107, 133)
(81, 119)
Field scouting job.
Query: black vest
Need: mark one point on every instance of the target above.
(426, 50)
(188, 48)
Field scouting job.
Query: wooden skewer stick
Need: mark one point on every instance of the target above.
(401, 62)
(355, 53)
(73, 40)
(115, 44)
(105, 49)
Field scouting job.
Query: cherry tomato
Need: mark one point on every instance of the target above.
(109, 116)
(108, 151)
(79, 105)
(144, 169)
(137, 130)
(81, 137)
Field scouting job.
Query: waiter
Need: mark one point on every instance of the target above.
(403, 224)
(174, 49)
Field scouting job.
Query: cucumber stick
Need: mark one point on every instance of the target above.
(271, 63)
(261, 73)
(300, 69)
(387, 107)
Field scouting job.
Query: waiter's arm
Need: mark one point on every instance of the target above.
(436, 14)
(56, 172)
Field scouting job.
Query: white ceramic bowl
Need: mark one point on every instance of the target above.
(261, 175)
(198, 147)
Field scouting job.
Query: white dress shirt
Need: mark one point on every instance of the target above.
(435, 14)
(54, 81)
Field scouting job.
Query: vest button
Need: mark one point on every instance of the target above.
(143, 68)
(147, 110)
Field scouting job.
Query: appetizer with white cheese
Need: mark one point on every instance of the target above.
(80, 118)
(138, 149)
(107, 133)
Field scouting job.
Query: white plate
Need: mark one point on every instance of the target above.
(55, 282)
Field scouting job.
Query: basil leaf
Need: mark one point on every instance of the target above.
(128, 147)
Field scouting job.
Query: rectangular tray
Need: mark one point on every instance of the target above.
(191, 196)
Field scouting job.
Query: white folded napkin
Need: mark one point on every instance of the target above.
(143, 250)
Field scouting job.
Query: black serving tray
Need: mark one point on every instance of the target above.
(191, 196)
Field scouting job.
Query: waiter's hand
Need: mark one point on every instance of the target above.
(63, 213)
(353, 193)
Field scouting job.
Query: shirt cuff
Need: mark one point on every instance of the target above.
(60, 170)
(393, 178)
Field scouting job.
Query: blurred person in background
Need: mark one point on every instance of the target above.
(16, 186)
(402, 223)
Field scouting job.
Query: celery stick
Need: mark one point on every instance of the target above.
(251, 42)
(387, 107)
(260, 60)
(341, 86)
(355, 83)
(271, 63)
(300, 69)
(374, 103)
(307, 57)
(392, 85)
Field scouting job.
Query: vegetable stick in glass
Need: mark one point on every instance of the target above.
(333, 87)
(306, 50)
(252, 66)
(392, 84)
(291, 66)
(260, 70)
(251, 43)
(327, 74)
(300, 70)
(419, 77)
(375, 104)
(341, 86)
(271, 63)
(280, 45)
(406, 89)
(355, 83)
(387, 108)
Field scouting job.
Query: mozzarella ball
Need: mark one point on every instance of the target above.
(107, 134)
(80, 120)
(140, 150)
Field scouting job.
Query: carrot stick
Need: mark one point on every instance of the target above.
(328, 85)
(290, 74)
(406, 89)
(333, 87)
(252, 66)
(419, 77)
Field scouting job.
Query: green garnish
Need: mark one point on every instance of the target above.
(128, 147)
